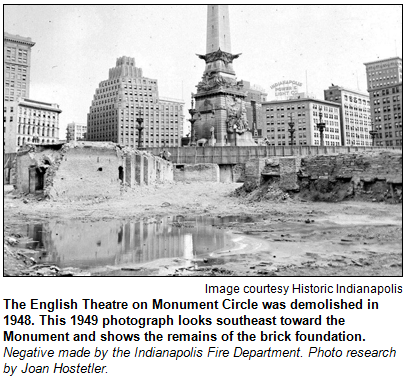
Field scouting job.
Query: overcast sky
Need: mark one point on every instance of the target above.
(76, 45)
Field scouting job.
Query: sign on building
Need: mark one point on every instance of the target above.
(286, 89)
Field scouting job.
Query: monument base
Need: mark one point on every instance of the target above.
(244, 139)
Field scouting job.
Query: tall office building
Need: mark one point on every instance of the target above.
(384, 79)
(17, 64)
(24, 120)
(305, 114)
(383, 73)
(355, 115)
(126, 96)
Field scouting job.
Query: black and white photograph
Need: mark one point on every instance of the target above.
(202, 141)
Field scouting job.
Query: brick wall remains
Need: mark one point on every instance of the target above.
(239, 173)
(253, 170)
(205, 172)
(88, 169)
(375, 176)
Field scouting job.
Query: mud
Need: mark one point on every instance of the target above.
(288, 236)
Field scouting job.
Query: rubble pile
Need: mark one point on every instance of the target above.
(368, 176)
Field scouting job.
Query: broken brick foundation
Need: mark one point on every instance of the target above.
(371, 176)
(86, 169)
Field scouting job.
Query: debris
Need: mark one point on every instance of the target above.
(11, 241)
(130, 269)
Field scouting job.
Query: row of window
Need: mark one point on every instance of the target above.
(355, 114)
(390, 134)
(384, 72)
(11, 68)
(356, 100)
(397, 125)
(356, 135)
(13, 76)
(388, 77)
(390, 143)
(17, 93)
(357, 128)
(22, 129)
(17, 55)
(387, 100)
(383, 84)
(357, 143)
(386, 91)
(22, 140)
(355, 108)
(304, 143)
(325, 108)
(388, 117)
(282, 108)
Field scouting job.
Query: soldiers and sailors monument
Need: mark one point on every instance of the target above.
(220, 117)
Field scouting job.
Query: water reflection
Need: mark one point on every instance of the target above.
(84, 244)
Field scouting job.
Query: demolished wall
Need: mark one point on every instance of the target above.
(203, 172)
(86, 169)
(373, 176)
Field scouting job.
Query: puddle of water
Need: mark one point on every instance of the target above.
(88, 245)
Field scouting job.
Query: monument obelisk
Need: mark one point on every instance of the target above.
(221, 117)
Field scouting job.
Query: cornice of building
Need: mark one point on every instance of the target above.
(384, 60)
(39, 105)
(18, 39)
(348, 90)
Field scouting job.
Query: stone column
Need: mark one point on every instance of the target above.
(147, 169)
(128, 170)
(139, 169)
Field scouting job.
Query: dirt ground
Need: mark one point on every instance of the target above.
(286, 237)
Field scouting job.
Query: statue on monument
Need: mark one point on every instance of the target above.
(236, 115)
(213, 80)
